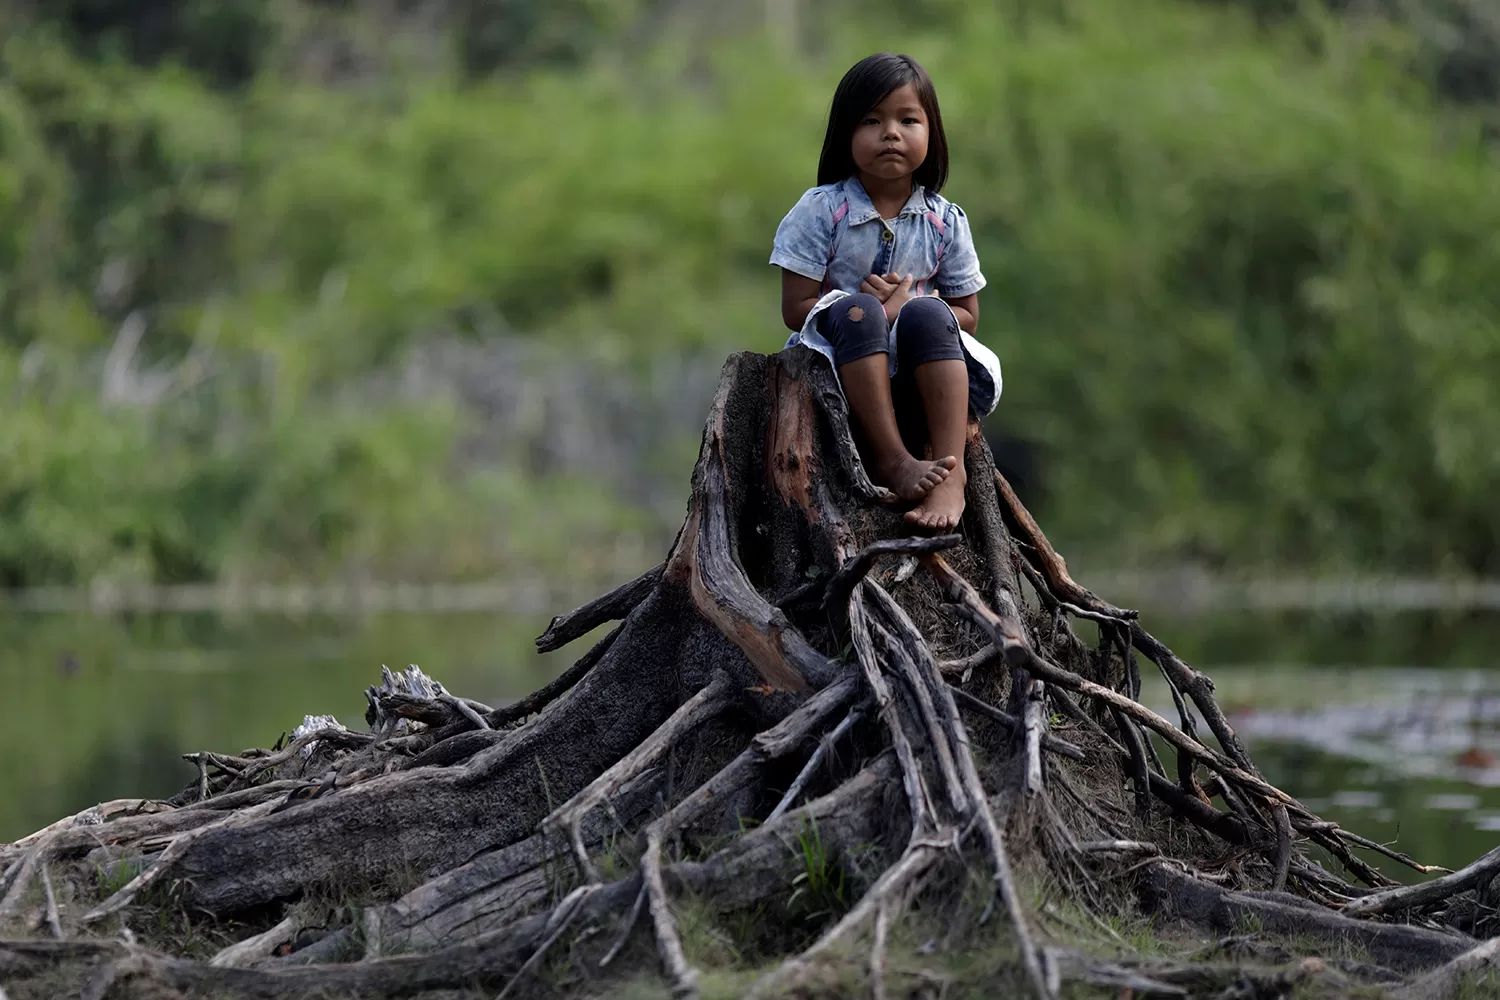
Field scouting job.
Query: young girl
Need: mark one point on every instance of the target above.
(880, 276)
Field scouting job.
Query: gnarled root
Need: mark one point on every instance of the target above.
(785, 680)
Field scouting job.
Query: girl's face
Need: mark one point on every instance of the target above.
(890, 141)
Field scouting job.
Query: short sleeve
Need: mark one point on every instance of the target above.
(804, 237)
(958, 273)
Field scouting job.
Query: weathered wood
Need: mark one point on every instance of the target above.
(703, 560)
(1050, 743)
(1427, 893)
(430, 820)
(1170, 892)
(1448, 980)
(759, 643)
(754, 868)
(568, 817)
(611, 607)
(496, 888)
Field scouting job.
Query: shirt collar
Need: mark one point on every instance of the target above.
(862, 209)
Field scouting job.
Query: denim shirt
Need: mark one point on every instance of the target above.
(835, 235)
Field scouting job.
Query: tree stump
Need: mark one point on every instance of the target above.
(800, 693)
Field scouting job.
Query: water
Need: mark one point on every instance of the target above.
(99, 708)
(1407, 757)
(1390, 727)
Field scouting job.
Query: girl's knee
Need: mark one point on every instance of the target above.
(855, 325)
(862, 308)
(927, 331)
(927, 312)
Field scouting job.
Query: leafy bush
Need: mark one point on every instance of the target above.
(1241, 285)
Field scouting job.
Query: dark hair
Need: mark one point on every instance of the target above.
(865, 85)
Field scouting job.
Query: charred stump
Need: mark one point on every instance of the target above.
(798, 675)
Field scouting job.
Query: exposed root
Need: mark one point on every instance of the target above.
(684, 979)
(889, 891)
(54, 923)
(917, 799)
(175, 850)
(877, 951)
(768, 678)
(1049, 742)
(611, 607)
(560, 920)
(257, 947)
(1448, 980)
(1173, 893)
(1412, 897)
(551, 691)
(789, 798)
(20, 881)
(713, 699)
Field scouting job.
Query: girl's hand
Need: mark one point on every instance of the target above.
(880, 285)
(899, 296)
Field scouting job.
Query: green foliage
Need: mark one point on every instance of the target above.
(1241, 273)
(820, 890)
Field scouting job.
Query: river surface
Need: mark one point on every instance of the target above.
(1389, 726)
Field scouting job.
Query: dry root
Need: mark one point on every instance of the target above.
(795, 672)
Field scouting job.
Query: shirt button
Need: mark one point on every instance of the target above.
(885, 236)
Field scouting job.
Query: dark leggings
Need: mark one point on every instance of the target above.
(927, 331)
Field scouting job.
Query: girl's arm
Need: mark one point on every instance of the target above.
(966, 309)
(798, 296)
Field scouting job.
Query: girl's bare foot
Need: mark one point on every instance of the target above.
(944, 505)
(912, 479)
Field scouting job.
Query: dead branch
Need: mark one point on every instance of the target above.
(1169, 891)
(1426, 893)
(611, 607)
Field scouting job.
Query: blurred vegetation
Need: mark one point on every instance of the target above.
(1241, 266)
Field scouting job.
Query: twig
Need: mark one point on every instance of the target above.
(1052, 565)
(892, 884)
(557, 924)
(990, 830)
(1050, 743)
(22, 878)
(552, 690)
(846, 580)
(877, 951)
(885, 705)
(202, 777)
(1035, 725)
(962, 593)
(937, 739)
(684, 979)
(333, 736)
(1388, 851)
(53, 921)
(1283, 858)
(1426, 893)
(962, 668)
(627, 927)
(1118, 847)
(1198, 687)
(463, 708)
(811, 767)
(1140, 773)
(612, 606)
